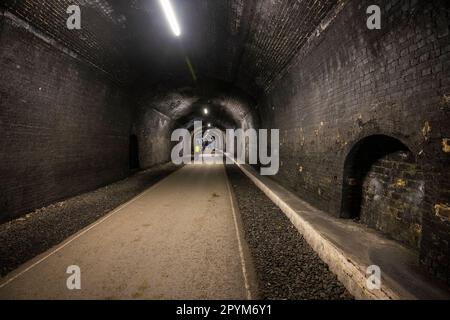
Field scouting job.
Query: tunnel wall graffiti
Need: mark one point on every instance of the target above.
(350, 82)
(64, 126)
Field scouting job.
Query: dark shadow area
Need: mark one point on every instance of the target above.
(134, 153)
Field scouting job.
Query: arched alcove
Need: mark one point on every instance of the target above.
(383, 187)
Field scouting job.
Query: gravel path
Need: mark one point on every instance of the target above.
(24, 238)
(285, 265)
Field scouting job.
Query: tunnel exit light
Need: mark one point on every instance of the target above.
(170, 16)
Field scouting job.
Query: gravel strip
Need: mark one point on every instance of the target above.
(24, 238)
(286, 266)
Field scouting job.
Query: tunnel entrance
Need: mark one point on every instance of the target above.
(134, 153)
(383, 188)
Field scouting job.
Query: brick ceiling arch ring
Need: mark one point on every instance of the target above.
(246, 43)
(225, 104)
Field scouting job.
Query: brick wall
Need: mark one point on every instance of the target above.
(349, 83)
(153, 130)
(64, 126)
(98, 41)
(392, 198)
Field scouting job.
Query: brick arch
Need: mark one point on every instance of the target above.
(383, 187)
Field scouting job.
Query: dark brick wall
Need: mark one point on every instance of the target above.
(351, 83)
(392, 198)
(153, 131)
(64, 127)
(99, 39)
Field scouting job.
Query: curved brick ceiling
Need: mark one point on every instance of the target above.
(185, 104)
(244, 42)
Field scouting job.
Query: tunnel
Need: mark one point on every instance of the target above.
(224, 150)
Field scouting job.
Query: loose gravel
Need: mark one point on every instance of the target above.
(286, 266)
(24, 238)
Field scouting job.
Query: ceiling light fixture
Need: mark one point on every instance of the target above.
(205, 111)
(170, 15)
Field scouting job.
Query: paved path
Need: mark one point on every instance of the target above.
(177, 240)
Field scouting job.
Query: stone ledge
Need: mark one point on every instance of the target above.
(349, 248)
